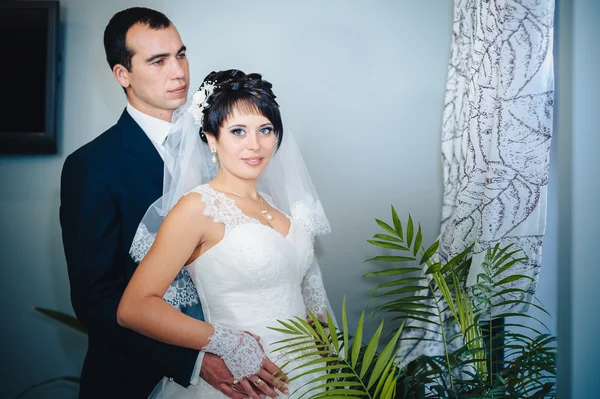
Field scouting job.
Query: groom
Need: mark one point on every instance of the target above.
(106, 187)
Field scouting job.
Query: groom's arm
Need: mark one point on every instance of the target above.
(91, 227)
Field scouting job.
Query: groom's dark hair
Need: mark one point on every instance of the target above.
(115, 33)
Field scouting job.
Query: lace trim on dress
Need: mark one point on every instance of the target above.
(310, 214)
(182, 292)
(313, 291)
(221, 208)
(142, 241)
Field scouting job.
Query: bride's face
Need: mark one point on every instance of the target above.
(246, 144)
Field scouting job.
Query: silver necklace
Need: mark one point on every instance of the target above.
(262, 208)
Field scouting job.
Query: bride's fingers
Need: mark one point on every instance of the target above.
(270, 381)
(249, 389)
(230, 392)
(274, 370)
(263, 386)
(256, 337)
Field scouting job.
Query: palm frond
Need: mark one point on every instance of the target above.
(351, 368)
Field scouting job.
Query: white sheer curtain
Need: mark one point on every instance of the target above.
(497, 128)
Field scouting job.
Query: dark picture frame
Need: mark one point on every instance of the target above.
(17, 136)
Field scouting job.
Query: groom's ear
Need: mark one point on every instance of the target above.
(121, 75)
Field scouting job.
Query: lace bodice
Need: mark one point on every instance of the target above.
(254, 275)
(223, 209)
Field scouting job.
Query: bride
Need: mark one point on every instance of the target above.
(238, 213)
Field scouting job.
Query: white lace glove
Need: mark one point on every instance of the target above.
(241, 353)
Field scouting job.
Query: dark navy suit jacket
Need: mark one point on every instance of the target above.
(106, 187)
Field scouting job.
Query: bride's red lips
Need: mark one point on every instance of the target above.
(255, 161)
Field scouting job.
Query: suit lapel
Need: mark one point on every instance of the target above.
(138, 144)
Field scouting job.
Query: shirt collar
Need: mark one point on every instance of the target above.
(156, 129)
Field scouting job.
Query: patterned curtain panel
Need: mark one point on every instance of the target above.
(497, 128)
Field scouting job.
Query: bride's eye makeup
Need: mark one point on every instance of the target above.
(237, 132)
(266, 130)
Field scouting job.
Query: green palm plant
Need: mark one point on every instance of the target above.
(429, 298)
(352, 370)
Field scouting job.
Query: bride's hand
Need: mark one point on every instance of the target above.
(267, 379)
(257, 338)
(244, 357)
(215, 372)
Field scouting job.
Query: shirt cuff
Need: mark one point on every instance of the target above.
(196, 373)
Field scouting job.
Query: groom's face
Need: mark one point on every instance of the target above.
(159, 77)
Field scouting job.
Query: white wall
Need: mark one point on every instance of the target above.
(361, 83)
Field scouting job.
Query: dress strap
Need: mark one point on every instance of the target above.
(221, 208)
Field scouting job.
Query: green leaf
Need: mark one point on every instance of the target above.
(334, 393)
(385, 226)
(290, 327)
(386, 353)
(514, 277)
(496, 252)
(370, 351)
(301, 325)
(507, 266)
(389, 388)
(404, 290)
(418, 313)
(397, 223)
(435, 268)
(337, 368)
(401, 306)
(430, 252)
(319, 327)
(418, 241)
(387, 237)
(406, 280)
(510, 290)
(312, 330)
(520, 302)
(316, 362)
(409, 231)
(393, 259)
(393, 272)
(356, 345)
(290, 345)
(387, 245)
(63, 318)
(502, 256)
(333, 333)
(455, 260)
(382, 380)
(412, 317)
(345, 327)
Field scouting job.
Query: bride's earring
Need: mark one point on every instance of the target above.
(214, 155)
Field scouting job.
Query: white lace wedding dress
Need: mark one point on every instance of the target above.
(253, 277)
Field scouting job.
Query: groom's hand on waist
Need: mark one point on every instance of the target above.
(215, 372)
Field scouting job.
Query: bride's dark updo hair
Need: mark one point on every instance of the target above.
(248, 93)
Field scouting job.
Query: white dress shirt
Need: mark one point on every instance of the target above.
(157, 131)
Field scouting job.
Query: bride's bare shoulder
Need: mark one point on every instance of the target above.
(191, 205)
